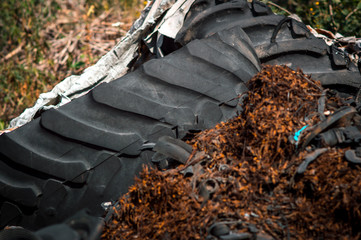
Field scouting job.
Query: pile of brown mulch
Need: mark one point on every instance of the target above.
(248, 178)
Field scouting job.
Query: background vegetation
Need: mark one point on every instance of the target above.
(341, 16)
(43, 41)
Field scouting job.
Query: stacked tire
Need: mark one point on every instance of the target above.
(277, 40)
(88, 151)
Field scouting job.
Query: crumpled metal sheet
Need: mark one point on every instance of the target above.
(349, 45)
(114, 64)
(174, 18)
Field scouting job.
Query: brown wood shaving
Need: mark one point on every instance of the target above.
(250, 167)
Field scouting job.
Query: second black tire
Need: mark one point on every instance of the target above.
(277, 40)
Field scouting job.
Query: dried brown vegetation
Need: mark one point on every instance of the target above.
(44, 48)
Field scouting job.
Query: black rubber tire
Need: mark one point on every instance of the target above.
(89, 150)
(277, 40)
(18, 234)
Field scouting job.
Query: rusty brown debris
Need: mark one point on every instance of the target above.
(242, 177)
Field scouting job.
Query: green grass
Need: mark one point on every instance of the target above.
(341, 16)
(21, 81)
(26, 73)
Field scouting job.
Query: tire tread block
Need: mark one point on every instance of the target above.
(341, 77)
(168, 72)
(308, 46)
(236, 39)
(53, 162)
(135, 103)
(224, 57)
(23, 192)
(69, 126)
(208, 21)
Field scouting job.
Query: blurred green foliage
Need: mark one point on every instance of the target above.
(343, 16)
(104, 5)
(26, 66)
(21, 23)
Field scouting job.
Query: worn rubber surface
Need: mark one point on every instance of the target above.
(88, 151)
(276, 39)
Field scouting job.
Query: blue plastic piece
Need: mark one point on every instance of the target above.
(298, 133)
